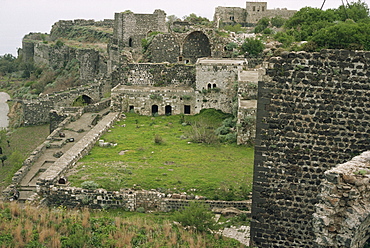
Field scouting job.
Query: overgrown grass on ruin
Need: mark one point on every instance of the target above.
(156, 153)
(22, 141)
(29, 226)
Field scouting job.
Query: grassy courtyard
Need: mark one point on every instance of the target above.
(157, 153)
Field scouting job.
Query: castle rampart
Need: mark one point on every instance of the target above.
(313, 113)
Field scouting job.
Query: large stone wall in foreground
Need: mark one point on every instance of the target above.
(313, 113)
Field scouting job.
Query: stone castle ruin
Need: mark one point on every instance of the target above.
(311, 172)
(248, 16)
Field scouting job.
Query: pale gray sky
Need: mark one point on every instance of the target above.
(20, 17)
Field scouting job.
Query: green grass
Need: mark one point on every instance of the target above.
(218, 171)
(29, 226)
(22, 141)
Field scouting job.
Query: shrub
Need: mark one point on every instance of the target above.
(89, 185)
(252, 46)
(158, 139)
(198, 216)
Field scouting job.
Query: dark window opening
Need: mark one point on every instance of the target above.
(187, 109)
(62, 180)
(154, 109)
(131, 109)
(232, 18)
(130, 42)
(209, 86)
(187, 61)
(180, 58)
(254, 8)
(214, 86)
(168, 110)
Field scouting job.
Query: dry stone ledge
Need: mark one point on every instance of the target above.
(81, 148)
(342, 216)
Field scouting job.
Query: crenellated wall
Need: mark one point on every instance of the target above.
(313, 113)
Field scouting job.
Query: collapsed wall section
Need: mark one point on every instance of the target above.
(313, 113)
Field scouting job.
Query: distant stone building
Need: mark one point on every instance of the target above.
(249, 16)
(130, 28)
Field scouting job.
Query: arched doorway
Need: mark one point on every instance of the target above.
(168, 110)
(154, 109)
(196, 46)
(82, 101)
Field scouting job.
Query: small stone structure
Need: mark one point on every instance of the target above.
(342, 216)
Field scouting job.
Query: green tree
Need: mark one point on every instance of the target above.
(278, 21)
(193, 18)
(252, 46)
(344, 35)
(8, 64)
(262, 24)
(355, 10)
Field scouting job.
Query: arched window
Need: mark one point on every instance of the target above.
(214, 86)
(209, 86)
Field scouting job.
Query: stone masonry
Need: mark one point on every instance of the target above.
(342, 217)
(313, 113)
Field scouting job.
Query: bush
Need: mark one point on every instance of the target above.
(252, 46)
(158, 139)
(198, 216)
(89, 185)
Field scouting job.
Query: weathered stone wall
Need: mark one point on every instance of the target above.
(217, 83)
(258, 10)
(253, 12)
(342, 215)
(159, 75)
(313, 113)
(165, 48)
(130, 28)
(36, 112)
(230, 15)
(142, 99)
(127, 199)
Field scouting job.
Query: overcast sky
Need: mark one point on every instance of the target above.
(20, 17)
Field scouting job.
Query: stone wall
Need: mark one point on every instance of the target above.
(153, 100)
(313, 113)
(342, 215)
(230, 15)
(217, 83)
(159, 75)
(80, 149)
(36, 112)
(128, 200)
(130, 28)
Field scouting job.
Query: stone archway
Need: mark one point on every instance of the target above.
(196, 45)
(342, 217)
(82, 100)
